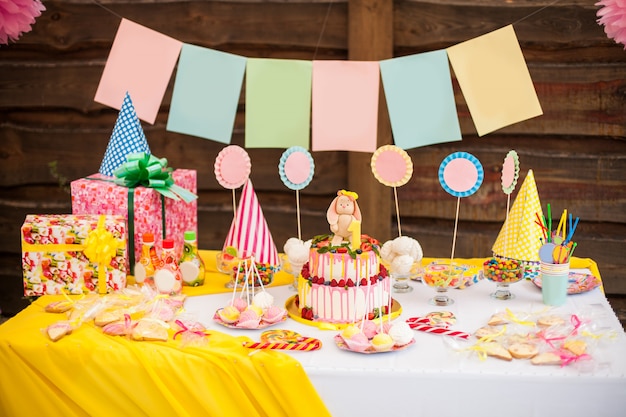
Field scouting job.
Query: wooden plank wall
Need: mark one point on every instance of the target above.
(51, 130)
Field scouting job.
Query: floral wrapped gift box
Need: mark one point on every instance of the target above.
(68, 254)
(145, 209)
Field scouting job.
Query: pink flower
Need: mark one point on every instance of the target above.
(613, 16)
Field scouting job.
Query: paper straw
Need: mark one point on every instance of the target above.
(572, 229)
(571, 252)
(549, 224)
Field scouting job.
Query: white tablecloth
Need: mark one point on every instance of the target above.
(430, 378)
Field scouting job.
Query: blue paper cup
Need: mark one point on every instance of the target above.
(554, 282)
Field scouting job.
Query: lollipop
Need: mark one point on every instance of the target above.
(392, 167)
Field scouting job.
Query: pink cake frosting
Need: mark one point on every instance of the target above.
(340, 285)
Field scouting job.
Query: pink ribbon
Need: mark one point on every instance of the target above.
(185, 329)
(567, 357)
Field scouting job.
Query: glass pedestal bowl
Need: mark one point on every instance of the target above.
(257, 276)
(401, 280)
(441, 277)
(503, 272)
(291, 268)
(226, 263)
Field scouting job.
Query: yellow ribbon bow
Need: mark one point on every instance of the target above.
(100, 247)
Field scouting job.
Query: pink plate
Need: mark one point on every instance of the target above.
(262, 324)
(578, 282)
(341, 344)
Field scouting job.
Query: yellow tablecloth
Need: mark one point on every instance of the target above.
(90, 374)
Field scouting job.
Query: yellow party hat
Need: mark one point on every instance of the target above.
(519, 237)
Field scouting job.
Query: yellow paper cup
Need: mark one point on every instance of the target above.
(554, 282)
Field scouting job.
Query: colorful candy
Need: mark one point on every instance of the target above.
(503, 270)
(444, 276)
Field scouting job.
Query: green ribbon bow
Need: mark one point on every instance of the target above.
(145, 170)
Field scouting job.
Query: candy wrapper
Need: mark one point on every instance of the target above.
(543, 338)
(190, 332)
(98, 194)
(68, 254)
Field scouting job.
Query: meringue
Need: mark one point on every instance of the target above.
(401, 333)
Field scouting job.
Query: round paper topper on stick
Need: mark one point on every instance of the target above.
(392, 166)
(232, 167)
(510, 172)
(461, 174)
(296, 168)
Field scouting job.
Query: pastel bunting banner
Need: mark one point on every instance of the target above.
(141, 61)
(334, 104)
(206, 93)
(278, 103)
(345, 105)
(495, 81)
(421, 108)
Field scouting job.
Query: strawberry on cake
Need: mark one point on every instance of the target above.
(343, 280)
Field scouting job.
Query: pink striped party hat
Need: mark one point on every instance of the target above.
(249, 232)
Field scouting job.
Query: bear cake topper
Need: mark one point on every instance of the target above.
(392, 167)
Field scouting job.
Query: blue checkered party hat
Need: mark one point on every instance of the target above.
(127, 138)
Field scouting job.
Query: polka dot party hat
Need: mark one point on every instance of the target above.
(519, 237)
(127, 138)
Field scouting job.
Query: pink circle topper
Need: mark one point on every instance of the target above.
(508, 172)
(460, 175)
(391, 166)
(232, 167)
(297, 167)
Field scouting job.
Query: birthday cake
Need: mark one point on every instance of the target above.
(343, 279)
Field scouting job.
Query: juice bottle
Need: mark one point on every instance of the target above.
(191, 265)
(167, 278)
(144, 269)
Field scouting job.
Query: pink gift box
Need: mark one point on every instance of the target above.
(97, 194)
(53, 261)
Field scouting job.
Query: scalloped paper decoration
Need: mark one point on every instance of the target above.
(232, 167)
(392, 166)
(461, 174)
(296, 168)
(510, 172)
